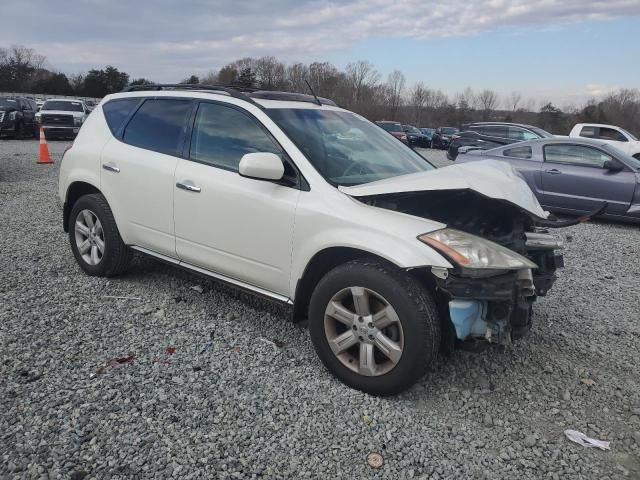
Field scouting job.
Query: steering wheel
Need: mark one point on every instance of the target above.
(354, 165)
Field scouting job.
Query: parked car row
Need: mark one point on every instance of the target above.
(17, 117)
(419, 137)
(486, 135)
(20, 117)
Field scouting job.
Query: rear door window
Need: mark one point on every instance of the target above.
(518, 152)
(520, 134)
(495, 131)
(117, 111)
(611, 134)
(159, 125)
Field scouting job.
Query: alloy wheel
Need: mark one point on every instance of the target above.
(363, 331)
(89, 237)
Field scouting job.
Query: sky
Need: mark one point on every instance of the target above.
(565, 51)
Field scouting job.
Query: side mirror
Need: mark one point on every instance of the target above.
(261, 166)
(612, 166)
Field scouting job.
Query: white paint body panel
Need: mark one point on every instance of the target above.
(256, 232)
(237, 226)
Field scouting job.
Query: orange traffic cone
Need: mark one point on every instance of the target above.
(44, 150)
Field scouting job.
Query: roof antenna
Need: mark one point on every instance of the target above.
(313, 93)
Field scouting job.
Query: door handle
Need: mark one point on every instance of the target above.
(553, 171)
(111, 168)
(188, 187)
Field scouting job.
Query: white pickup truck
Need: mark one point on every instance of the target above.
(616, 136)
(62, 117)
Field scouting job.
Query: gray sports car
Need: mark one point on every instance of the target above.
(571, 175)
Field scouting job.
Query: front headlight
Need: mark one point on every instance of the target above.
(77, 121)
(12, 115)
(469, 251)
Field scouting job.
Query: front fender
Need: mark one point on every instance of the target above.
(404, 254)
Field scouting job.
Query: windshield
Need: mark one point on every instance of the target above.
(62, 105)
(8, 103)
(411, 129)
(345, 148)
(626, 158)
(391, 127)
(630, 135)
(448, 130)
(427, 131)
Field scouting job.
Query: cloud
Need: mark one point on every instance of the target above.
(166, 40)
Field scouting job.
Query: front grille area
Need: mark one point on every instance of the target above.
(52, 119)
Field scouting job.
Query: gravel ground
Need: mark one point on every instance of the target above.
(217, 384)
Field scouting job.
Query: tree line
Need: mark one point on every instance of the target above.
(359, 87)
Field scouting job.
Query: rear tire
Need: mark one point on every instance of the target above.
(378, 361)
(19, 133)
(637, 156)
(94, 237)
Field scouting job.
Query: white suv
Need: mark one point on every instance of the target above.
(293, 198)
(62, 117)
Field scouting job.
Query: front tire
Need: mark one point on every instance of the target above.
(94, 237)
(374, 326)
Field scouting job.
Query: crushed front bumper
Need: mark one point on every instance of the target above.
(498, 309)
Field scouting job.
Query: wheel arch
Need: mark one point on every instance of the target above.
(74, 192)
(319, 265)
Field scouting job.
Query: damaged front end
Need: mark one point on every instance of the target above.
(503, 260)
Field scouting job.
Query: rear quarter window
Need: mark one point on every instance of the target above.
(588, 132)
(518, 152)
(117, 111)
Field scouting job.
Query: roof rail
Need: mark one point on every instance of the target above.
(294, 97)
(244, 93)
(232, 92)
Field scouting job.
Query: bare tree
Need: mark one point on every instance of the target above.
(20, 68)
(210, 78)
(323, 77)
(270, 73)
(395, 87)
(418, 97)
(361, 75)
(296, 76)
(514, 101)
(486, 101)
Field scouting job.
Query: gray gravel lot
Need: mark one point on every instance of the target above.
(244, 396)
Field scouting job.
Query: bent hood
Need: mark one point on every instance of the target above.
(490, 178)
